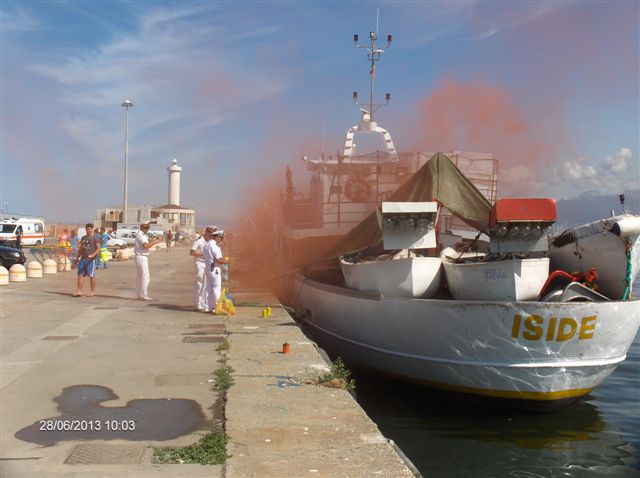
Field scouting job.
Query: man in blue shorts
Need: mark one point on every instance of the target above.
(88, 249)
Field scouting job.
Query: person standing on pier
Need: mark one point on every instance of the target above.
(142, 250)
(213, 258)
(102, 256)
(89, 248)
(19, 237)
(199, 287)
(73, 242)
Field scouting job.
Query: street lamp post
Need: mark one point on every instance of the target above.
(126, 104)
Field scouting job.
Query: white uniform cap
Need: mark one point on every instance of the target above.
(219, 232)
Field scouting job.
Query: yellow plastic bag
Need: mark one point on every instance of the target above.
(225, 306)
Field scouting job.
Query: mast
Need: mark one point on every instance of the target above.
(374, 54)
(367, 122)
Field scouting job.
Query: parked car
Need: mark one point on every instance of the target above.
(10, 256)
(114, 242)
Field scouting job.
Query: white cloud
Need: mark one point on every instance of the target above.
(181, 69)
(573, 169)
(488, 19)
(620, 162)
(425, 22)
(607, 175)
(177, 71)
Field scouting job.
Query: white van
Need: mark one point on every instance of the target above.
(33, 231)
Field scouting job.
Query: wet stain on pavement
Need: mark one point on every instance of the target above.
(82, 417)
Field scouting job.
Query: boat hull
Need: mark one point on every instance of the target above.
(495, 349)
(407, 277)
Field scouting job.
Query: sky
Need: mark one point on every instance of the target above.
(237, 90)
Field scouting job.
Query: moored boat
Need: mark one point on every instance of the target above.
(540, 354)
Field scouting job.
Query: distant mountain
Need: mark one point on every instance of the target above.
(590, 206)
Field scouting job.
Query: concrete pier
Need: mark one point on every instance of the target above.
(114, 357)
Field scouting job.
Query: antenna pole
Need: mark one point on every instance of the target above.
(372, 73)
(374, 55)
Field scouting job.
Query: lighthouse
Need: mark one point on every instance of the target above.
(174, 183)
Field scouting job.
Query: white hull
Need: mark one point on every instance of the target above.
(511, 279)
(596, 247)
(408, 277)
(472, 346)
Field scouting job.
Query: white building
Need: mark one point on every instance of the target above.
(170, 216)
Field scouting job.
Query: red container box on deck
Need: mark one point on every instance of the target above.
(521, 210)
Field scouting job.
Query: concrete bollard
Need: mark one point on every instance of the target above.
(61, 263)
(34, 270)
(50, 266)
(4, 276)
(18, 273)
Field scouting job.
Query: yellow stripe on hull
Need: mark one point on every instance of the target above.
(515, 394)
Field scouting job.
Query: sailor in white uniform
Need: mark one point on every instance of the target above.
(142, 247)
(213, 259)
(199, 288)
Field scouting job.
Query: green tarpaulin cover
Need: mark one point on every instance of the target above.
(438, 180)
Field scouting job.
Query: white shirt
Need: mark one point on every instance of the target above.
(141, 240)
(198, 246)
(211, 252)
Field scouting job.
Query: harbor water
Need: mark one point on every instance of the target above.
(599, 436)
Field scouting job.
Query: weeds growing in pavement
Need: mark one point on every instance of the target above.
(224, 345)
(223, 379)
(338, 377)
(209, 450)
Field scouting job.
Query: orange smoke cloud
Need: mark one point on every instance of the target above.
(484, 118)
